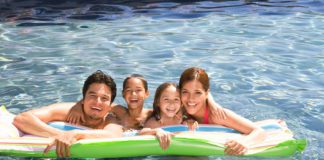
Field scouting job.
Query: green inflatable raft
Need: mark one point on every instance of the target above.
(207, 141)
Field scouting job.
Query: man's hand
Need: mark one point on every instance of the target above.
(63, 143)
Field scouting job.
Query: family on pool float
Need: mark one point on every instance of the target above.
(189, 103)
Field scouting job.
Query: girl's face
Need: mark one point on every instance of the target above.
(170, 102)
(134, 93)
(193, 97)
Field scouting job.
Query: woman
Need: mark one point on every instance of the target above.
(197, 100)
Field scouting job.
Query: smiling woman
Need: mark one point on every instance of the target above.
(195, 96)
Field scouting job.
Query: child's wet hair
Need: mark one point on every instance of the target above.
(138, 76)
(156, 104)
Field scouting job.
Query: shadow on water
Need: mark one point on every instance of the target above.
(53, 12)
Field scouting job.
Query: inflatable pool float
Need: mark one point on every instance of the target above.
(208, 140)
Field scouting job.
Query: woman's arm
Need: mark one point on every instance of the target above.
(254, 134)
(217, 111)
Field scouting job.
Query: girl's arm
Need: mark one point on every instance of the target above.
(76, 114)
(164, 137)
(254, 134)
(119, 111)
(151, 127)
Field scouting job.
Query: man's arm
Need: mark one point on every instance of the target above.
(35, 121)
(67, 138)
(110, 131)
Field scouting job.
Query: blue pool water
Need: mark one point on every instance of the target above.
(265, 58)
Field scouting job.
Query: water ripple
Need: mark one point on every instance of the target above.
(13, 10)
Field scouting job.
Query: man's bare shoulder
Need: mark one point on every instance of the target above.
(118, 109)
(63, 105)
(56, 111)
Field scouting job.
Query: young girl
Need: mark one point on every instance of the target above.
(167, 110)
(194, 89)
(135, 91)
(166, 107)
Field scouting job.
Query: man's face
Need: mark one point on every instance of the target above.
(97, 101)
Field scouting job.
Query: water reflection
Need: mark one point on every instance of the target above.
(60, 10)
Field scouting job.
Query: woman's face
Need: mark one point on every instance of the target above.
(134, 93)
(193, 97)
(170, 102)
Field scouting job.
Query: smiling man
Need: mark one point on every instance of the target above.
(99, 91)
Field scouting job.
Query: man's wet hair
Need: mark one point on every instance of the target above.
(100, 77)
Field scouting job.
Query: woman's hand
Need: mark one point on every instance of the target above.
(234, 147)
(217, 111)
(164, 138)
(76, 115)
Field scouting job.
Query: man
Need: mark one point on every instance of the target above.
(99, 91)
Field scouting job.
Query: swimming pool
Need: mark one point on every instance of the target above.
(265, 58)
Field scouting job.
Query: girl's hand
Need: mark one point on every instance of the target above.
(234, 147)
(217, 111)
(192, 125)
(164, 138)
(76, 115)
